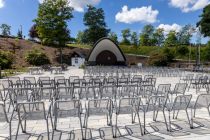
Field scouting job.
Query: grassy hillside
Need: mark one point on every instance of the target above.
(19, 48)
(147, 50)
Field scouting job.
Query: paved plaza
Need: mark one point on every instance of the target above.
(125, 128)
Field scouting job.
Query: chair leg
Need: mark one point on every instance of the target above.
(115, 132)
(177, 114)
(80, 119)
(164, 115)
(48, 133)
(140, 123)
(208, 110)
(17, 130)
(10, 131)
(190, 123)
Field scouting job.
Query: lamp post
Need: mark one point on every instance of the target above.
(198, 48)
(190, 32)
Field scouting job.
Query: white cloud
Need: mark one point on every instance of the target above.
(167, 28)
(79, 5)
(1, 3)
(41, 1)
(189, 5)
(142, 14)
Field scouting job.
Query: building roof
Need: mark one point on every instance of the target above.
(110, 45)
(80, 54)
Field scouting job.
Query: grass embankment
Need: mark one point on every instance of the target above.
(147, 50)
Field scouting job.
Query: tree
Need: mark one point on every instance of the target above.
(146, 36)
(94, 19)
(33, 32)
(171, 39)
(51, 23)
(5, 29)
(134, 39)
(79, 37)
(126, 34)
(113, 36)
(158, 37)
(185, 34)
(20, 33)
(204, 23)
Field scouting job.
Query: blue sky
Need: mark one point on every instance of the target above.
(119, 14)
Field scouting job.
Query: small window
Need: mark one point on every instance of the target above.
(76, 60)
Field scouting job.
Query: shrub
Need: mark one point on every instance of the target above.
(6, 59)
(206, 53)
(37, 58)
(157, 59)
(169, 53)
(161, 58)
(182, 50)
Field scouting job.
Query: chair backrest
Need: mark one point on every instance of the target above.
(111, 80)
(31, 79)
(127, 105)
(31, 111)
(44, 78)
(68, 108)
(88, 92)
(96, 82)
(6, 84)
(99, 107)
(151, 81)
(181, 102)
(203, 100)
(14, 79)
(72, 78)
(180, 88)
(163, 89)
(122, 81)
(136, 79)
(156, 102)
(56, 78)
(63, 93)
(108, 91)
(148, 76)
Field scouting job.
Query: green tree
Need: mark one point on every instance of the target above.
(33, 32)
(51, 23)
(126, 34)
(204, 23)
(79, 37)
(5, 29)
(20, 33)
(94, 19)
(185, 34)
(113, 36)
(134, 39)
(146, 37)
(171, 39)
(206, 54)
(158, 37)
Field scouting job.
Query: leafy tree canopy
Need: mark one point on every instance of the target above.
(204, 22)
(171, 39)
(126, 34)
(5, 29)
(134, 39)
(113, 36)
(33, 32)
(94, 19)
(51, 22)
